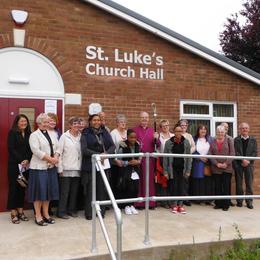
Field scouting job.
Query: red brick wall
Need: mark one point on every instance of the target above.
(61, 30)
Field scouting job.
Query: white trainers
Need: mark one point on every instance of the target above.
(134, 210)
(128, 210)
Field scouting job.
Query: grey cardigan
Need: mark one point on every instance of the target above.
(167, 161)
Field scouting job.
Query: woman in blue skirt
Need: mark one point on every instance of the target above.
(43, 179)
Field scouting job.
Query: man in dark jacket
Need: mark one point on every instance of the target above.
(245, 145)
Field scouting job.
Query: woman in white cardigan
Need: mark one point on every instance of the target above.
(43, 180)
(69, 169)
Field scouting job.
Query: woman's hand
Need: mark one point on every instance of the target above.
(166, 175)
(204, 159)
(119, 163)
(54, 160)
(25, 163)
(134, 162)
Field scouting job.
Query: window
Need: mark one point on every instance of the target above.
(210, 114)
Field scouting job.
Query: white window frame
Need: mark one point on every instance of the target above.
(210, 116)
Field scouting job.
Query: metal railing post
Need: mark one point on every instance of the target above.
(147, 200)
(116, 209)
(94, 231)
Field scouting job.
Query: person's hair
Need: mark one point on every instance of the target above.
(82, 120)
(129, 131)
(244, 123)
(163, 121)
(183, 121)
(73, 119)
(92, 116)
(221, 128)
(120, 117)
(175, 126)
(201, 126)
(40, 118)
(15, 123)
(54, 117)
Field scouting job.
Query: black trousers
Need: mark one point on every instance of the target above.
(177, 186)
(69, 187)
(101, 194)
(222, 187)
(16, 192)
(131, 191)
(240, 173)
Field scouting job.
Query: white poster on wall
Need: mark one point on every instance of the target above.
(50, 106)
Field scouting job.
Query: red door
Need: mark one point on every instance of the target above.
(9, 108)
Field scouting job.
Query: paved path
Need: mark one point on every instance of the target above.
(68, 239)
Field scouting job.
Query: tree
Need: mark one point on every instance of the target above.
(241, 42)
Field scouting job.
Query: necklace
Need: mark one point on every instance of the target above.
(122, 134)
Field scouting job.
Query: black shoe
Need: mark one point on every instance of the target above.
(239, 204)
(72, 214)
(187, 203)
(217, 207)
(63, 216)
(88, 217)
(250, 206)
(49, 220)
(225, 209)
(41, 223)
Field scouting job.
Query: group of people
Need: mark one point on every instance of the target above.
(59, 166)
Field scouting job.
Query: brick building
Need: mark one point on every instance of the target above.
(79, 52)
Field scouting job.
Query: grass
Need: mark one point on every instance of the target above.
(239, 250)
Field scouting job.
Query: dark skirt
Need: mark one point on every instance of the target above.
(43, 185)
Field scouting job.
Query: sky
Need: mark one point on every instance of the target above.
(198, 20)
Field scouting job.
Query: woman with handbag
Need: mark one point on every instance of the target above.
(222, 168)
(19, 155)
(201, 180)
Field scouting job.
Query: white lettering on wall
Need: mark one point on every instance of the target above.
(149, 65)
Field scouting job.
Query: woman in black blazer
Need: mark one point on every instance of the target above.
(19, 154)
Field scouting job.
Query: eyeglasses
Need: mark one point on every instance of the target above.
(165, 125)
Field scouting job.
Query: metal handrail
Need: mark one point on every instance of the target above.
(162, 198)
(104, 230)
(117, 211)
(146, 199)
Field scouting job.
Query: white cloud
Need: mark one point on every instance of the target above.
(199, 20)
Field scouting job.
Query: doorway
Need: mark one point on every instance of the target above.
(9, 109)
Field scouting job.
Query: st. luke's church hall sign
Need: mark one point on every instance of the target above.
(132, 64)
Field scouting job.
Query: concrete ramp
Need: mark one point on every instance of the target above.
(71, 239)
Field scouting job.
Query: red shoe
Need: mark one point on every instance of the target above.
(175, 209)
(181, 210)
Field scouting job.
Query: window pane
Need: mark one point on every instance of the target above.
(194, 123)
(230, 128)
(196, 109)
(30, 113)
(220, 110)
